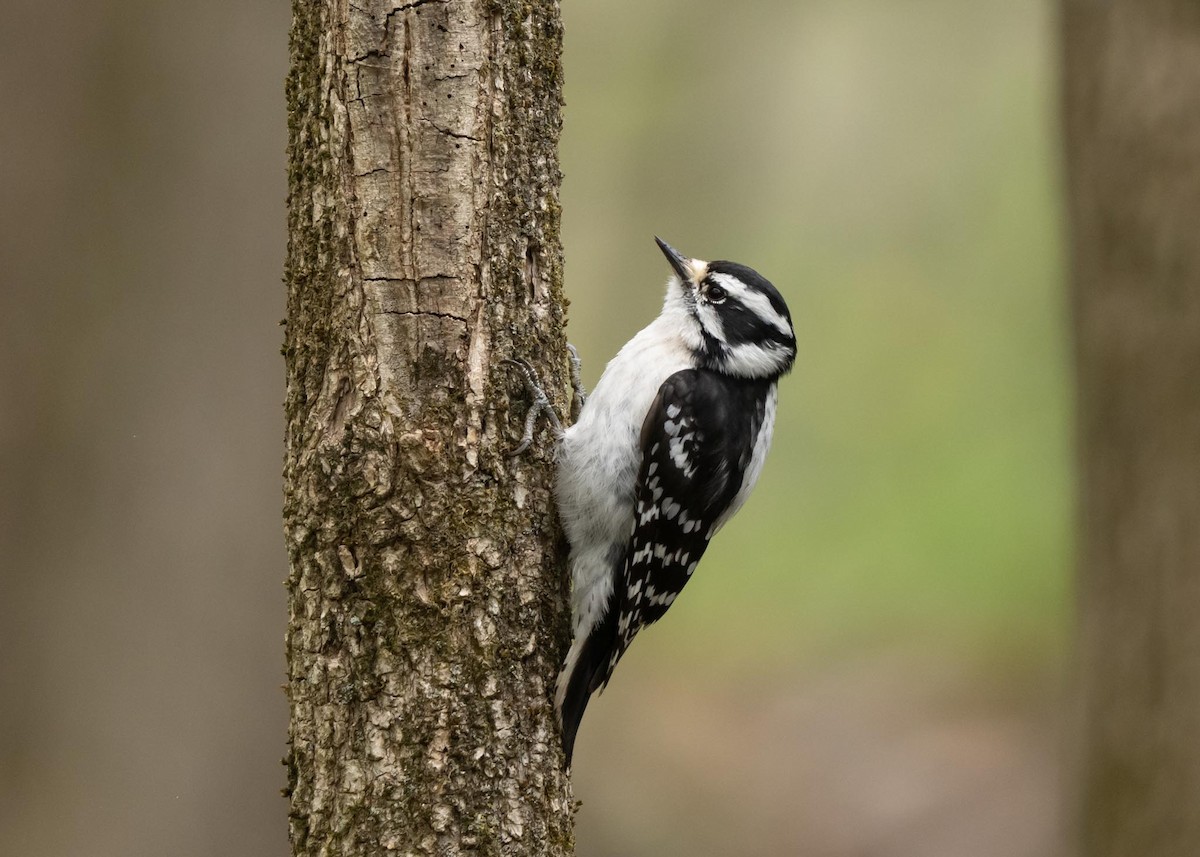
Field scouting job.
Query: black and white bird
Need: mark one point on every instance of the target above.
(665, 451)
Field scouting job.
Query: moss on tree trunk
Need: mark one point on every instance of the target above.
(427, 590)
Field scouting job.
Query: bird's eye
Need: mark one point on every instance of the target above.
(715, 294)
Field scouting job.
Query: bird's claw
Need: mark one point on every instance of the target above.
(579, 394)
(541, 404)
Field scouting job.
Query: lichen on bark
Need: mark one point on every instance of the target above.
(427, 608)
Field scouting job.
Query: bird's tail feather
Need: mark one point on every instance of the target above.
(585, 672)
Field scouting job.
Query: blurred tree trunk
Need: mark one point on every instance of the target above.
(427, 604)
(1132, 111)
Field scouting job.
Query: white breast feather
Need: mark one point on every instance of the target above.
(599, 460)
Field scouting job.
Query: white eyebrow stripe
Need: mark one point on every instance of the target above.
(753, 300)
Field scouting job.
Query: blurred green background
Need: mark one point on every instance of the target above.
(887, 616)
(868, 663)
(892, 167)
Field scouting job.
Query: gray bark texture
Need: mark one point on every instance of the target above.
(1132, 121)
(427, 587)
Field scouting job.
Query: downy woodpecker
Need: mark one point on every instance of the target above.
(665, 451)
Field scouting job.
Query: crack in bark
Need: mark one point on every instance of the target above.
(450, 133)
(387, 19)
(418, 312)
(382, 51)
(429, 278)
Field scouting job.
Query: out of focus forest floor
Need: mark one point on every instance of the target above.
(887, 755)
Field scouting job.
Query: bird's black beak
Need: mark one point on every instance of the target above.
(680, 264)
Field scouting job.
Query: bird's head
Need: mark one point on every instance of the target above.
(733, 318)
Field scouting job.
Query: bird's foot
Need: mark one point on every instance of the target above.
(580, 395)
(541, 405)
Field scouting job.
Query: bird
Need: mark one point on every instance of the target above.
(664, 452)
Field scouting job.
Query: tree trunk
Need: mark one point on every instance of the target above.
(1132, 109)
(428, 611)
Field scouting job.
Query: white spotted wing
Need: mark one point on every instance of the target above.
(699, 439)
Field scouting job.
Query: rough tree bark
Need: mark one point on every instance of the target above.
(1132, 110)
(428, 615)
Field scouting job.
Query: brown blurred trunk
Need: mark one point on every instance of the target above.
(427, 589)
(1132, 110)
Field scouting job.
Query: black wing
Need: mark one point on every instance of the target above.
(697, 441)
